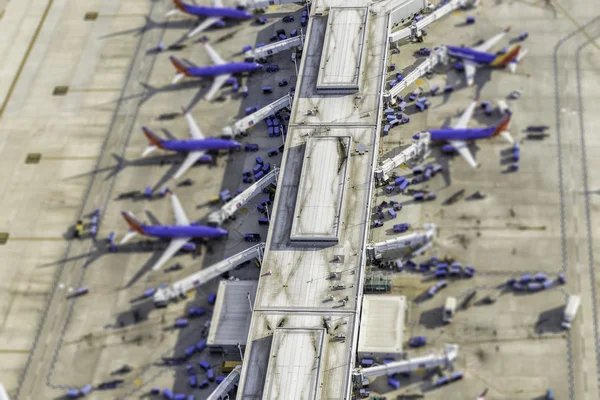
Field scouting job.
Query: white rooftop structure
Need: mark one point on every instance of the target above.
(232, 313)
(295, 368)
(321, 192)
(341, 62)
(382, 327)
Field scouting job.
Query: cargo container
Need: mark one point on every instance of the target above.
(402, 106)
(399, 265)
(380, 214)
(266, 168)
(272, 152)
(540, 277)
(212, 298)
(180, 396)
(236, 87)
(245, 91)
(219, 379)
(441, 273)
(413, 95)
(417, 341)
(155, 390)
(366, 362)
(403, 186)
(392, 213)
(470, 20)
(167, 394)
(433, 91)
(204, 364)
(534, 286)
(201, 345)
(526, 278)
(251, 147)
(393, 83)
(418, 196)
(394, 122)
(181, 323)
(448, 88)
(469, 271)
(394, 383)
(190, 351)
(86, 390)
(252, 237)
(455, 271)
(263, 221)
(210, 374)
(196, 312)
(193, 381)
(267, 89)
(442, 381)
(420, 106)
(547, 284)
(203, 384)
(561, 278)
(386, 130)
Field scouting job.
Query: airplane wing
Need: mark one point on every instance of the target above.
(204, 25)
(462, 149)
(488, 44)
(195, 131)
(180, 218)
(466, 116)
(215, 57)
(218, 82)
(190, 160)
(171, 250)
(470, 69)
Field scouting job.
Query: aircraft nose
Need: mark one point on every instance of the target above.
(223, 232)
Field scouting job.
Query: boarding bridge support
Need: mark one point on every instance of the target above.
(429, 362)
(412, 241)
(418, 150)
(414, 30)
(277, 47)
(217, 218)
(248, 122)
(227, 385)
(164, 295)
(440, 55)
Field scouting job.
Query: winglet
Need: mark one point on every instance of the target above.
(184, 110)
(507, 29)
(133, 223)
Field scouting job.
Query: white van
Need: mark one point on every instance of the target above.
(449, 309)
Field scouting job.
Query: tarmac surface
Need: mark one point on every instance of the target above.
(90, 144)
(539, 219)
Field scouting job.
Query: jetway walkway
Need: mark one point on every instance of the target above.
(217, 218)
(440, 55)
(277, 47)
(418, 241)
(227, 385)
(420, 363)
(416, 27)
(264, 3)
(248, 122)
(419, 149)
(164, 295)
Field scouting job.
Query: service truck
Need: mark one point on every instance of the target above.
(571, 310)
(449, 309)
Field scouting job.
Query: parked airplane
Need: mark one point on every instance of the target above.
(483, 395)
(474, 57)
(221, 71)
(213, 15)
(179, 234)
(195, 147)
(459, 134)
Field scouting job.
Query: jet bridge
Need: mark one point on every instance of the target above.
(248, 122)
(217, 218)
(420, 363)
(274, 48)
(264, 3)
(163, 295)
(418, 241)
(440, 55)
(415, 29)
(227, 385)
(419, 149)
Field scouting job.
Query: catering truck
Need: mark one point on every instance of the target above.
(571, 310)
